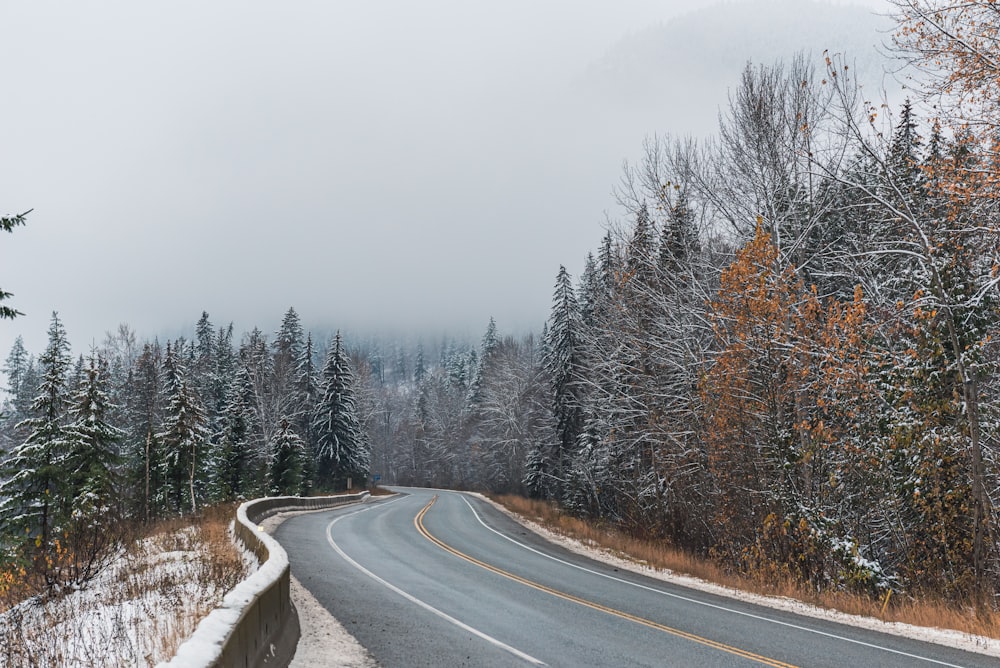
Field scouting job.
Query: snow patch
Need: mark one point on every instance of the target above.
(126, 616)
(324, 641)
(204, 647)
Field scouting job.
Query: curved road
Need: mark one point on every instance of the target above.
(434, 578)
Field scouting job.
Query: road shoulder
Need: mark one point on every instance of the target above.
(945, 637)
(324, 640)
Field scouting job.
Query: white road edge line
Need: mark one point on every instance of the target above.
(705, 603)
(413, 599)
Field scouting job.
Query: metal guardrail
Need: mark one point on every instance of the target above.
(256, 624)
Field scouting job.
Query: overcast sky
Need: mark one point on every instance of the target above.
(419, 166)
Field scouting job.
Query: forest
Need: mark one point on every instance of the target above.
(783, 357)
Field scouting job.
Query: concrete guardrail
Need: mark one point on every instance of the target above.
(256, 624)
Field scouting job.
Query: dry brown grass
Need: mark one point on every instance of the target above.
(169, 576)
(660, 555)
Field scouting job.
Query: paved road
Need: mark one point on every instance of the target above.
(431, 578)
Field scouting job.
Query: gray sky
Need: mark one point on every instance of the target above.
(417, 166)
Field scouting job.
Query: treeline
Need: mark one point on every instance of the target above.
(464, 416)
(136, 431)
(785, 358)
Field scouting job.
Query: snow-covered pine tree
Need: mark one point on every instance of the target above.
(286, 472)
(34, 474)
(203, 368)
(92, 498)
(287, 349)
(258, 364)
(419, 366)
(144, 407)
(21, 381)
(399, 367)
(486, 350)
(15, 367)
(563, 363)
(93, 460)
(587, 291)
(343, 453)
(235, 468)
(307, 395)
(183, 439)
(679, 238)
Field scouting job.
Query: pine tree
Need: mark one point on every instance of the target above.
(286, 473)
(33, 476)
(183, 439)
(588, 291)
(144, 406)
(287, 348)
(204, 356)
(92, 459)
(419, 366)
(307, 395)
(235, 461)
(259, 367)
(679, 237)
(563, 362)
(15, 367)
(19, 369)
(343, 453)
(486, 350)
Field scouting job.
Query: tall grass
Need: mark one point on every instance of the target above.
(139, 609)
(660, 555)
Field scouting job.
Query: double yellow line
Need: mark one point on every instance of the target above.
(418, 521)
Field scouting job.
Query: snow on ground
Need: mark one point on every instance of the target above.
(324, 641)
(946, 637)
(134, 613)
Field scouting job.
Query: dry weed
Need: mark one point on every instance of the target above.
(661, 556)
(139, 609)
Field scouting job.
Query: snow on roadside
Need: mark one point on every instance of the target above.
(324, 640)
(133, 613)
(946, 637)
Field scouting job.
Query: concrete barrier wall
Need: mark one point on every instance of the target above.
(256, 624)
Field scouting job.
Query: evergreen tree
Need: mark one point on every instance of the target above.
(183, 439)
(92, 457)
(286, 474)
(419, 366)
(287, 348)
(679, 237)
(486, 350)
(588, 291)
(234, 462)
(204, 346)
(144, 406)
(218, 381)
(563, 362)
(33, 476)
(307, 394)
(21, 388)
(343, 452)
(15, 367)
(259, 367)
(399, 367)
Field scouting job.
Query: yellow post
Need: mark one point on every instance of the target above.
(885, 603)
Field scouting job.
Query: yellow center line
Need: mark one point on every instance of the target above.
(418, 521)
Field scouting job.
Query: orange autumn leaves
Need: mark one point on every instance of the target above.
(956, 48)
(789, 379)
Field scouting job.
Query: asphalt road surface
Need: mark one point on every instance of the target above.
(433, 578)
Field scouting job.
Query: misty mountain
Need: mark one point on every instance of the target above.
(681, 70)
